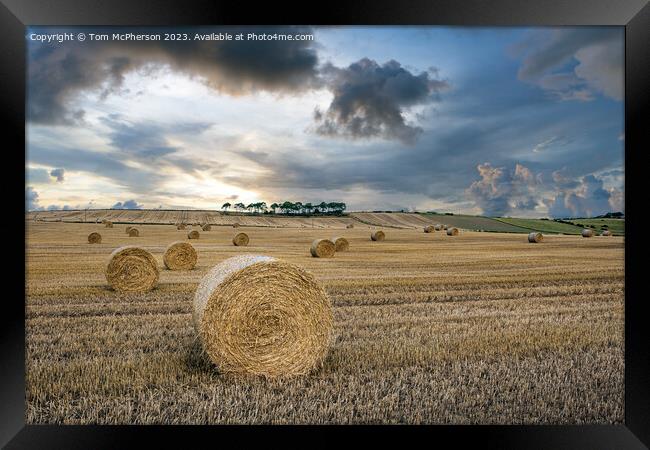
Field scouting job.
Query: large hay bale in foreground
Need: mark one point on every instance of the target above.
(429, 229)
(322, 248)
(341, 244)
(587, 233)
(108, 224)
(132, 269)
(437, 227)
(452, 231)
(606, 233)
(193, 234)
(180, 256)
(133, 232)
(535, 237)
(240, 240)
(262, 316)
(350, 225)
(206, 227)
(94, 238)
(378, 235)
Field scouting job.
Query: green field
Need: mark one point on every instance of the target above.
(544, 226)
(477, 223)
(616, 226)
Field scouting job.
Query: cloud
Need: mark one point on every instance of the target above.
(585, 198)
(59, 174)
(574, 63)
(500, 191)
(57, 73)
(31, 199)
(370, 99)
(129, 204)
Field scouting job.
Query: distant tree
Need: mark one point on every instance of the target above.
(240, 206)
(274, 206)
(225, 206)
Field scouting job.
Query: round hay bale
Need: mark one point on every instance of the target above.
(587, 232)
(108, 224)
(206, 227)
(341, 244)
(437, 227)
(133, 232)
(94, 238)
(193, 234)
(429, 229)
(132, 269)
(452, 231)
(180, 256)
(378, 235)
(240, 240)
(322, 248)
(445, 227)
(128, 228)
(235, 225)
(535, 237)
(350, 225)
(180, 226)
(261, 316)
(606, 233)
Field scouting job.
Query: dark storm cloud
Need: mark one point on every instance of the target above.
(129, 204)
(56, 73)
(370, 99)
(59, 174)
(574, 63)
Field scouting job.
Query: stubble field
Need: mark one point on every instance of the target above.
(479, 328)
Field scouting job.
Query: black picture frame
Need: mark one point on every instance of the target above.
(634, 15)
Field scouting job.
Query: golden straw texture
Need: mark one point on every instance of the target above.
(350, 225)
(322, 248)
(180, 226)
(240, 240)
(108, 224)
(94, 238)
(180, 256)
(378, 236)
(235, 225)
(193, 234)
(429, 229)
(341, 244)
(133, 232)
(262, 316)
(132, 269)
(535, 237)
(206, 227)
(452, 231)
(128, 228)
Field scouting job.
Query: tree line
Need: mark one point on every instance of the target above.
(331, 208)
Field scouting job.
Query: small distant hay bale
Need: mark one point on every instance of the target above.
(535, 237)
(108, 224)
(437, 227)
(445, 227)
(133, 232)
(193, 234)
(94, 238)
(180, 226)
(240, 240)
(322, 248)
(235, 225)
(341, 244)
(606, 233)
(257, 315)
(378, 235)
(180, 256)
(429, 229)
(128, 228)
(587, 233)
(206, 227)
(452, 231)
(132, 269)
(350, 225)
(104, 221)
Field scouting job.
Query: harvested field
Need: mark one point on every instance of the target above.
(483, 328)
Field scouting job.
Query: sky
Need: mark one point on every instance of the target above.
(501, 121)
